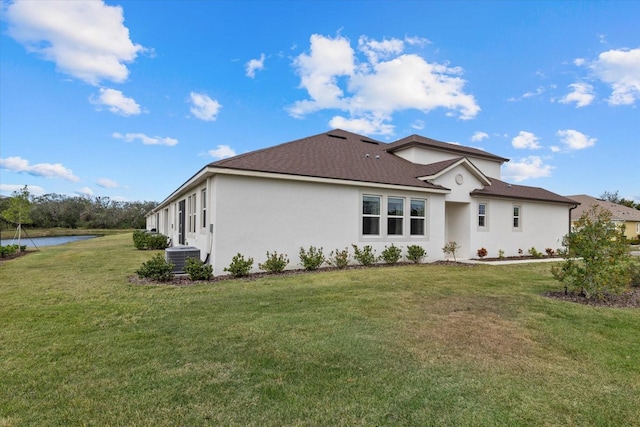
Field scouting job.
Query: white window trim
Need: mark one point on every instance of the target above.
(484, 227)
(402, 217)
(363, 215)
(519, 216)
(423, 218)
(203, 207)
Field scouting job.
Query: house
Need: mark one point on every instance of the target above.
(338, 188)
(620, 214)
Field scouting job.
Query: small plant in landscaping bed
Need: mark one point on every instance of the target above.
(534, 253)
(391, 254)
(339, 259)
(482, 252)
(157, 268)
(366, 256)
(11, 249)
(550, 252)
(239, 266)
(275, 263)
(197, 269)
(311, 259)
(415, 253)
(500, 254)
(451, 248)
(520, 252)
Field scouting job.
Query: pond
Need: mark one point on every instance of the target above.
(44, 241)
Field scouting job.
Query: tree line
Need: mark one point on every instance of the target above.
(57, 210)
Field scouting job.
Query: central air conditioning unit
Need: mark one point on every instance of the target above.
(178, 255)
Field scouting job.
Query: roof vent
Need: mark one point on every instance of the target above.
(336, 136)
(367, 155)
(377, 157)
(369, 142)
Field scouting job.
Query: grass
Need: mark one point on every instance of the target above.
(411, 345)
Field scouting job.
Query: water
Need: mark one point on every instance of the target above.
(44, 241)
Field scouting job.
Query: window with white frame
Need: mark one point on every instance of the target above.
(418, 217)
(395, 216)
(203, 206)
(191, 213)
(482, 215)
(517, 217)
(371, 215)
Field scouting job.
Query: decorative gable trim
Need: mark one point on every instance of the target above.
(451, 165)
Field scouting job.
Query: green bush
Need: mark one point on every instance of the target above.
(534, 253)
(391, 254)
(144, 240)
(366, 256)
(634, 268)
(339, 259)
(451, 248)
(415, 253)
(239, 266)
(157, 268)
(596, 258)
(275, 263)
(311, 259)
(197, 269)
(11, 249)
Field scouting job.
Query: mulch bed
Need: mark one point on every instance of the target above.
(628, 299)
(15, 255)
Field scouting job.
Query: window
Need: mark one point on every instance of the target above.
(203, 204)
(371, 215)
(516, 217)
(482, 215)
(395, 216)
(418, 217)
(191, 213)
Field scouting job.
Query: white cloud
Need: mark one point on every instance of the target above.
(85, 39)
(116, 102)
(479, 136)
(85, 191)
(418, 125)
(222, 152)
(582, 95)
(146, 140)
(203, 107)
(620, 69)
(10, 188)
(529, 167)
(525, 140)
(579, 61)
(254, 65)
(574, 140)
(107, 183)
(47, 170)
(365, 125)
(383, 82)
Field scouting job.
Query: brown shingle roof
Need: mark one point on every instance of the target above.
(502, 189)
(618, 212)
(445, 146)
(336, 154)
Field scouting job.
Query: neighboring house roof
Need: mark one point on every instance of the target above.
(503, 189)
(418, 140)
(619, 212)
(336, 154)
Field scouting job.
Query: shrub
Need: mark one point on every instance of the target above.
(11, 249)
(239, 266)
(534, 253)
(500, 254)
(143, 240)
(520, 252)
(311, 259)
(596, 258)
(550, 252)
(634, 269)
(339, 259)
(157, 268)
(482, 252)
(366, 256)
(197, 269)
(451, 248)
(391, 254)
(275, 263)
(415, 253)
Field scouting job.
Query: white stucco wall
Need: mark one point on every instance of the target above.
(543, 225)
(426, 156)
(256, 215)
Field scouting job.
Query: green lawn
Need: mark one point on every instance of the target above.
(413, 345)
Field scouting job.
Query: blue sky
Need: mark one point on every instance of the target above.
(128, 99)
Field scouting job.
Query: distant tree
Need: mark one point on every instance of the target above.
(614, 197)
(597, 258)
(19, 210)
